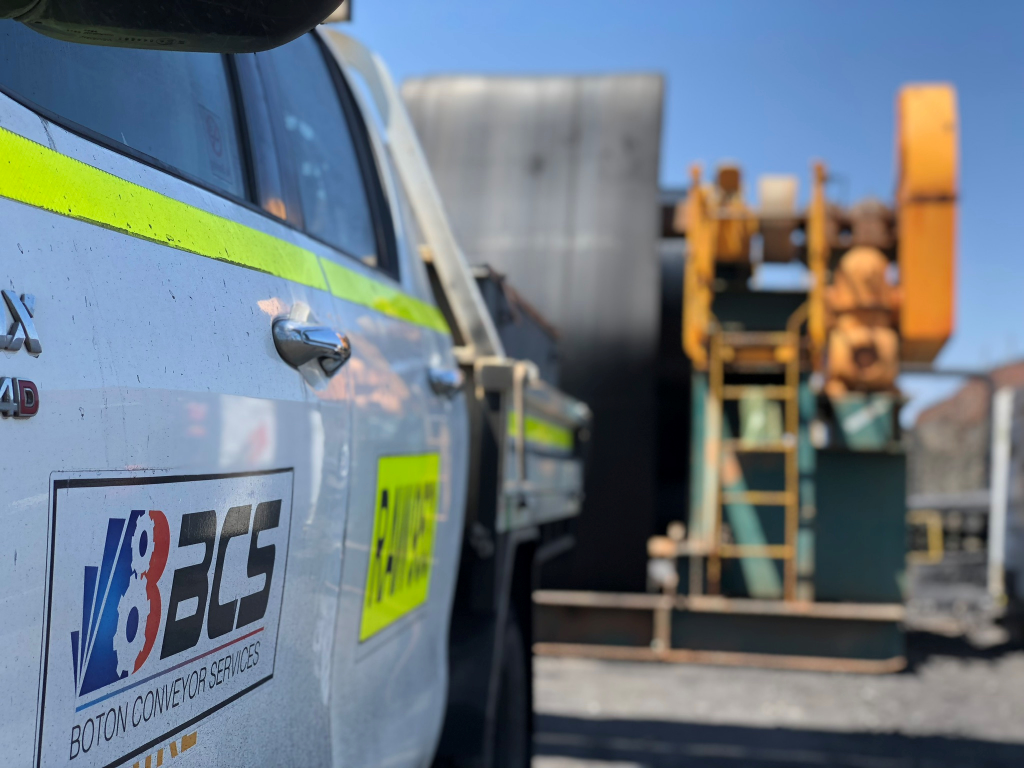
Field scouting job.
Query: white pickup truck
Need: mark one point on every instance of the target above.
(251, 512)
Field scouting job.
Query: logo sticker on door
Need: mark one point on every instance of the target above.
(163, 606)
(402, 548)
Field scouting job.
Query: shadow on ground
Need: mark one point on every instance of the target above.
(660, 744)
(921, 646)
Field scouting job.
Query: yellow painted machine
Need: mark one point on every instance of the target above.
(811, 374)
(792, 547)
(917, 233)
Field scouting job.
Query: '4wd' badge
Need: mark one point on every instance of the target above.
(18, 397)
(164, 604)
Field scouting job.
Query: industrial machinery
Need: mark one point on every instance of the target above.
(792, 549)
(808, 378)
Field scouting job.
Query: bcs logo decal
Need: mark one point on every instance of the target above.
(121, 601)
(163, 606)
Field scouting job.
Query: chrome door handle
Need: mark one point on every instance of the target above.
(445, 381)
(299, 343)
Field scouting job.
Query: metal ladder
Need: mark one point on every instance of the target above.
(752, 352)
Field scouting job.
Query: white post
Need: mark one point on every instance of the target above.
(999, 490)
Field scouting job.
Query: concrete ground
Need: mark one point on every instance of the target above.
(956, 706)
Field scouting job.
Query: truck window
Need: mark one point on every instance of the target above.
(311, 124)
(175, 107)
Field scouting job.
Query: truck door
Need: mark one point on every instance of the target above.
(408, 466)
(174, 495)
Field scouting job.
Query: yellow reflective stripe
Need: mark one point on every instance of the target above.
(359, 289)
(36, 175)
(542, 432)
(402, 547)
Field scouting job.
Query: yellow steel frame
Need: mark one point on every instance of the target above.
(931, 519)
(817, 265)
(701, 236)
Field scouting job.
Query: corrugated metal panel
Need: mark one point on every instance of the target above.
(553, 181)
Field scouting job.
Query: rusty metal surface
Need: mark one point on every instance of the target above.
(882, 612)
(641, 601)
(723, 658)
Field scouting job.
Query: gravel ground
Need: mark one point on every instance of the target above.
(955, 706)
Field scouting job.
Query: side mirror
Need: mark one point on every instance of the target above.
(216, 26)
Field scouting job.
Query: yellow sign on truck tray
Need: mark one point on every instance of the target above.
(401, 550)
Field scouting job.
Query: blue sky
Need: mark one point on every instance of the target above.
(773, 85)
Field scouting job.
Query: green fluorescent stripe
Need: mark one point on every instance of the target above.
(359, 289)
(36, 175)
(41, 177)
(541, 432)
